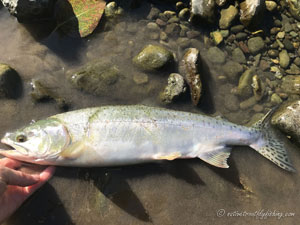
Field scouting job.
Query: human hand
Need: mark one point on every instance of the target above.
(17, 186)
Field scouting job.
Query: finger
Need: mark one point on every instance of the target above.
(44, 177)
(10, 163)
(13, 177)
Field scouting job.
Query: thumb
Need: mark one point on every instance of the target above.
(13, 177)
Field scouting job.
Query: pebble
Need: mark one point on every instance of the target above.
(216, 55)
(184, 14)
(271, 6)
(227, 17)
(275, 99)
(284, 59)
(248, 103)
(273, 53)
(140, 78)
(288, 44)
(256, 45)
(153, 26)
(233, 70)
(238, 55)
(241, 36)
(280, 35)
(217, 37)
(237, 28)
(192, 34)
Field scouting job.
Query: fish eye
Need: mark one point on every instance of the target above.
(21, 138)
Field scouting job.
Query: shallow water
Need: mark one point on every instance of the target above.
(178, 192)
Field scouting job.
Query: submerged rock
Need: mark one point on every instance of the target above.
(175, 88)
(244, 89)
(41, 93)
(256, 45)
(238, 55)
(10, 82)
(29, 10)
(294, 8)
(233, 70)
(251, 11)
(227, 17)
(112, 10)
(97, 78)
(216, 55)
(204, 10)
(189, 67)
(258, 88)
(152, 58)
(284, 59)
(287, 119)
(291, 84)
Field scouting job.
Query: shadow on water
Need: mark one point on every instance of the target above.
(44, 207)
(206, 103)
(60, 33)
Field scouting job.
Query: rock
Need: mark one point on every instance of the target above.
(251, 11)
(264, 65)
(241, 36)
(30, 10)
(288, 45)
(180, 6)
(237, 28)
(175, 88)
(184, 14)
(221, 2)
(152, 26)
(291, 84)
(294, 8)
(215, 55)
(248, 103)
(244, 89)
(183, 42)
(284, 59)
(224, 33)
(297, 61)
(273, 53)
(204, 10)
(258, 88)
(271, 6)
(98, 78)
(227, 17)
(238, 55)
(173, 29)
(256, 45)
(163, 36)
(41, 93)
(152, 58)
(275, 99)
(280, 35)
(231, 102)
(233, 70)
(217, 37)
(294, 70)
(287, 119)
(140, 78)
(113, 11)
(10, 82)
(153, 14)
(189, 67)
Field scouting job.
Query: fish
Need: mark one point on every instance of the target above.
(133, 134)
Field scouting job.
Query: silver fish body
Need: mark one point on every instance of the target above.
(121, 135)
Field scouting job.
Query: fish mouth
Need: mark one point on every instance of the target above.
(11, 148)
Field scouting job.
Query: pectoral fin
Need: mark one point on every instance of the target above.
(217, 157)
(74, 150)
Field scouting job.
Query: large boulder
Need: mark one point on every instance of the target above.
(29, 10)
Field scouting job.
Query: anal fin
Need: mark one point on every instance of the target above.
(216, 157)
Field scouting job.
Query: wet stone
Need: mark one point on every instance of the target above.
(287, 119)
(184, 14)
(288, 44)
(153, 14)
(204, 9)
(215, 55)
(227, 17)
(160, 22)
(241, 36)
(153, 57)
(173, 29)
(231, 102)
(98, 78)
(233, 70)
(271, 6)
(140, 78)
(10, 82)
(291, 84)
(275, 99)
(238, 55)
(217, 37)
(175, 88)
(248, 103)
(192, 34)
(244, 89)
(284, 59)
(273, 53)
(237, 28)
(256, 45)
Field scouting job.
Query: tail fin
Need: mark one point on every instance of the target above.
(271, 144)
